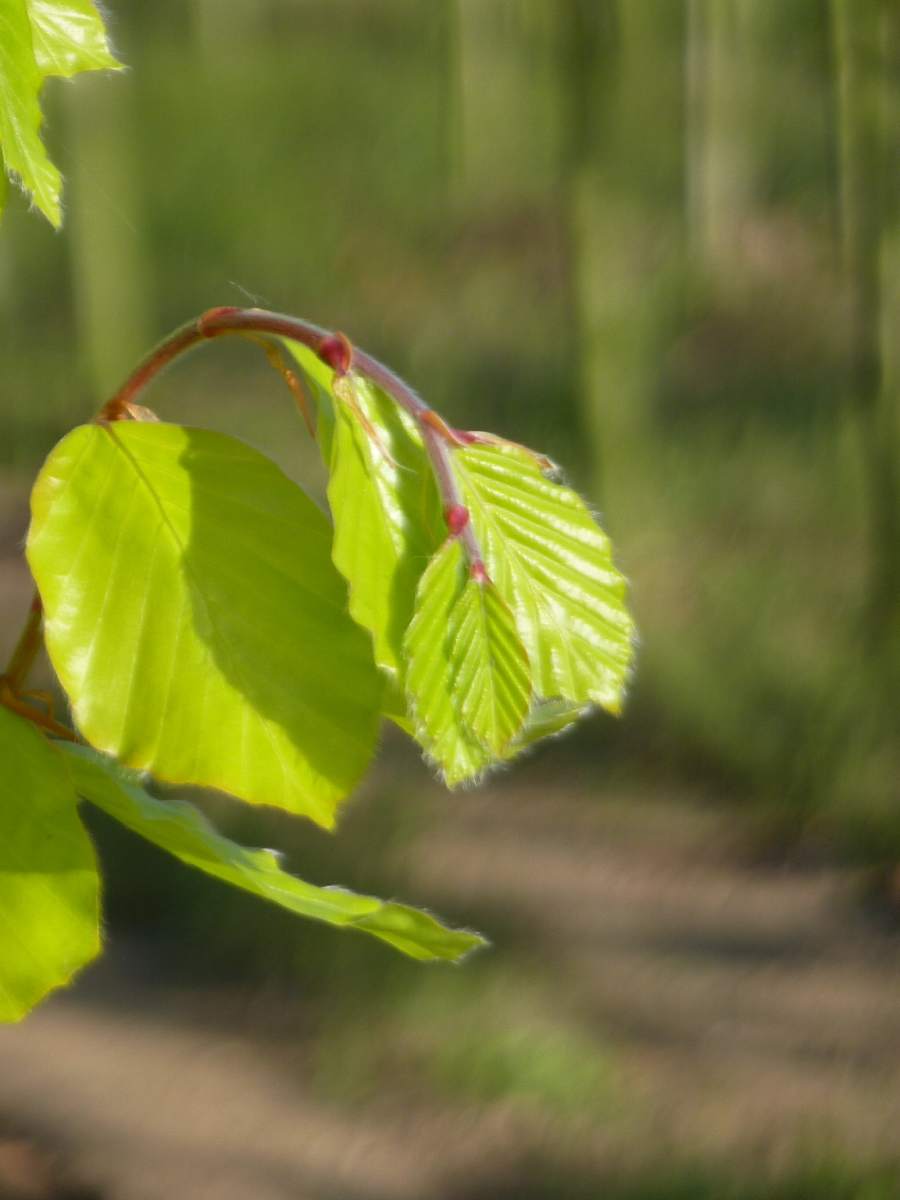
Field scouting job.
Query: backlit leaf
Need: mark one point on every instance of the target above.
(433, 665)
(489, 671)
(384, 502)
(195, 619)
(386, 511)
(548, 718)
(20, 113)
(182, 831)
(40, 38)
(69, 37)
(316, 380)
(552, 564)
(49, 889)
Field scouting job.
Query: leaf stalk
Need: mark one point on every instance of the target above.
(335, 350)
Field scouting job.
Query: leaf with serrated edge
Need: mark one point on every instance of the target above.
(195, 619)
(553, 566)
(547, 719)
(20, 112)
(39, 38)
(431, 667)
(49, 887)
(384, 502)
(182, 831)
(489, 671)
(69, 37)
(386, 511)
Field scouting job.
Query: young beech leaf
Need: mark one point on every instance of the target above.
(195, 619)
(489, 670)
(468, 678)
(69, 37)
(547, 719)
(384, 503)
(553, 566)
(181, 830)
(40, 38)
(316, 379)
(386, 511)
(49, 888)
(20, 113)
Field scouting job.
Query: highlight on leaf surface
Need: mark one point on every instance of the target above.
(383, 500)
(181, 830)
(195, 618)
(39, 38)
(552, 564)
(434, 663)
(487, 669)
(49, 887)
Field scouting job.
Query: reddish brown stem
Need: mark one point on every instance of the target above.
(27, 647)
(335, 350)
(8, 699)
(12, 681)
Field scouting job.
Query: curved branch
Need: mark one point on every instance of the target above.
(336, 351)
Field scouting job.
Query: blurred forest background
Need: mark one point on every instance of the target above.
(659, 240)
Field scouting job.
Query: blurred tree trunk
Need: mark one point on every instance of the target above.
(108, 264)
(454, 106)
(862, 29)
(477, 52)
(500, 125)
(223, 26)
(718, 176)
(588, 56)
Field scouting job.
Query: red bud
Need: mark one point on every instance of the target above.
(335, 350)
(457, 518)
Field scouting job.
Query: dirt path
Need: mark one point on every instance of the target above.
(754, 1008)
(751, 1011)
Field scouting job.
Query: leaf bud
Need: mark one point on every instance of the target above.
(335, 350)
(457, 516)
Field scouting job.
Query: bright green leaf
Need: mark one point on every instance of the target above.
(383, 498)
(547, 719)
(552, 564)
(195, 619)
(180, 829)
(20, 113)
(384, 502)
(69, 37)
(40, 38)
(386, 511)
(317, 380)
(49, 889)
(432, 667)
(385, 507)
(489, 671)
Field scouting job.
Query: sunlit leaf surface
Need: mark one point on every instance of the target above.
(40, 38)
(69, 37)
(383, 499)
(386, 511)
(49, 889)
(195, 618)
(433, 663)
(181, 830)
(20, 112)
(489, 670)
(552, 564)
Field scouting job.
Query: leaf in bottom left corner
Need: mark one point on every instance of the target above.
(49, 886)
